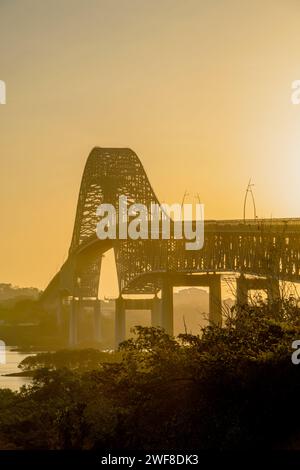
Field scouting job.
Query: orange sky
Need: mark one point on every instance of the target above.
(199, 89)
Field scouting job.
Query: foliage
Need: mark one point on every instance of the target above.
(228, 388)
(80, 359)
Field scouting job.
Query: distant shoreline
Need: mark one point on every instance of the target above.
(26, 373)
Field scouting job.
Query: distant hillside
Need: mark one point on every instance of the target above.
(191, 307)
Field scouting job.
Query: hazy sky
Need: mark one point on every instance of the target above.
(199, 89)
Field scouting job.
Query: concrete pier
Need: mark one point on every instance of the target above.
(269, 285)
(97, 321)
(119, 321)
(156, 312)
(73, 325)
(167, 306)
(215, 300)
(162, 309)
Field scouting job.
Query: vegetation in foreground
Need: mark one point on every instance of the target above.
(230, 388)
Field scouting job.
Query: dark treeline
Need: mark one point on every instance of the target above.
(229, 388)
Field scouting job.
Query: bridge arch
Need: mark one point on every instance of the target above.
(266, 248)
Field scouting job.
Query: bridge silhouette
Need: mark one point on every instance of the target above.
(267, 250)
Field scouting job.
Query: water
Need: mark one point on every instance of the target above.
(13, 359)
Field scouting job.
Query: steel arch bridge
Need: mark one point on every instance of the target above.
(266, 248)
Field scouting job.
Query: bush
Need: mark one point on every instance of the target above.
(230, 388)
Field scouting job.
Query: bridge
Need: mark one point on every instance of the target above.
(261, 252)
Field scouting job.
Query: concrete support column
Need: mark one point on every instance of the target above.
(215, 300)
(73, 324)
(241, 291)
(270, 286)
(97, 321)
(156, 312)
(167, 306)
(59, 313)
(273, 290)
(119, 322)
